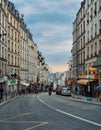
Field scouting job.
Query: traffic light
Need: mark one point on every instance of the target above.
(14, 75)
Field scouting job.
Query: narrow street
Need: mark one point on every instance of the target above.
(44, 112)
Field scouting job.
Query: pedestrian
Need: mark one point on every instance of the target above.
(6, 94)
(76, 90)
(97, 92)
(83, 91)
(50, 90)
(1, 94)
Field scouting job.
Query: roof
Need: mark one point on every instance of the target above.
(97, 63)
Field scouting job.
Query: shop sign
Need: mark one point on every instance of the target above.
(13, 81)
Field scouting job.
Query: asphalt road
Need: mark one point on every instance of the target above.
(44, 112)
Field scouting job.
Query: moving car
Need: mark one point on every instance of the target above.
(66, 92)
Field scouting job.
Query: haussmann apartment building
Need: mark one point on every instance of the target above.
(86, 48)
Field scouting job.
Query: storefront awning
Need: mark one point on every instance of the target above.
(25, 84)
(83, 81)
(91, 76)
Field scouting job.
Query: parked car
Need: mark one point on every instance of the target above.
(59, 89)
(66, 92)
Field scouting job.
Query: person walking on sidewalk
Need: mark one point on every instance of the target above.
(1, 94)
(97, 92)
(76, 90)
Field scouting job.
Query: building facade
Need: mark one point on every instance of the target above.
(19, 57)
(13, 67)
(3, 42)
(87, 41)
(13, 38)
(23, 51)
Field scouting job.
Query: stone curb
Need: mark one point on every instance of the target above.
(89, 102)
(9, 100)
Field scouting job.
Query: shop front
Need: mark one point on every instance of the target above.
(24, 87)
(35, 87)
(87, 84)
(97, 65)
(12, 87)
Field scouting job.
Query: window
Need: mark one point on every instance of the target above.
(100, 47)
(0, 50)
(95, 11)
(3, 20)
(87, 52)
(100, 26)
(95, 48)
(8, 31)
(11, 19)
(91, 50)
(5, 54)
(87, 3)
(91, 32)
(8, 59)
(0, 16)
(88, 36)
(12, 47)
(95, 29)
(12, 60)
(100, 44)
(91, 14)
(15, 61)
(99, 5)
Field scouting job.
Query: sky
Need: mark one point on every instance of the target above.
(50, 22)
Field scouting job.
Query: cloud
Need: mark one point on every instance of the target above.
(50, 22)
(54, 32)
(54, 41)
(29, 7)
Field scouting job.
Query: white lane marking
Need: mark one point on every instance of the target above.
(77, 117)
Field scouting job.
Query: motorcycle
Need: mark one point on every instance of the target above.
(50, 92)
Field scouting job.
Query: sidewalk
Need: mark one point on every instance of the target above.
(7, 99)
(90, 100)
